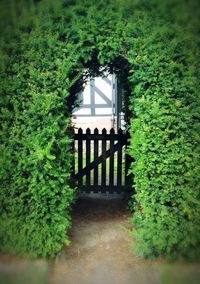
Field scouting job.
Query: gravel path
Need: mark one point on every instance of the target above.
(99, 253)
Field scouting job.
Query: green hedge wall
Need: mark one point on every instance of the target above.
(35, 153)
(165, 135)
(45, 48)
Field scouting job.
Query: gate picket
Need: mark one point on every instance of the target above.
(73, 152)
(119, 159)
(88, 155)
(112, 153)
(80, 154)
(96, 153)
(103, 170)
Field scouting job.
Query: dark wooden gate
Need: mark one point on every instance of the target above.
(101, 162)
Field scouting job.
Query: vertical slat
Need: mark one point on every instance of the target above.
(111, 169)
(88, 159)
(73, 152)
(124, 142)
(103, 170)
(119, 161)
(80, 154)
(127, 163)
(96, 152)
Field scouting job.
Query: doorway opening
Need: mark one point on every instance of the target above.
(100, 120)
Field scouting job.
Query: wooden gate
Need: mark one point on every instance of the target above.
(101, 162)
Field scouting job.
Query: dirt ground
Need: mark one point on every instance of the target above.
(99, 253)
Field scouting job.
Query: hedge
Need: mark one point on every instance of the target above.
(153, 47)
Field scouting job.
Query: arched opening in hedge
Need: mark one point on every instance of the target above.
(101, 160)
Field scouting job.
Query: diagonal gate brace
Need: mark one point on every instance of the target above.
(98, 161)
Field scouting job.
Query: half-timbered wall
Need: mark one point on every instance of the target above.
(100, 105)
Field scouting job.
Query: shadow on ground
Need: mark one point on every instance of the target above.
(99, 253)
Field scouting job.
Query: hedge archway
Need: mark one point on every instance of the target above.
(44, 58)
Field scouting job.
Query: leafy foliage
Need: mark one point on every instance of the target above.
(165, 135)
(48, 48)
(35, 191)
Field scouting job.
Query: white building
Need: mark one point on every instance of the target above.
(100, 105)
